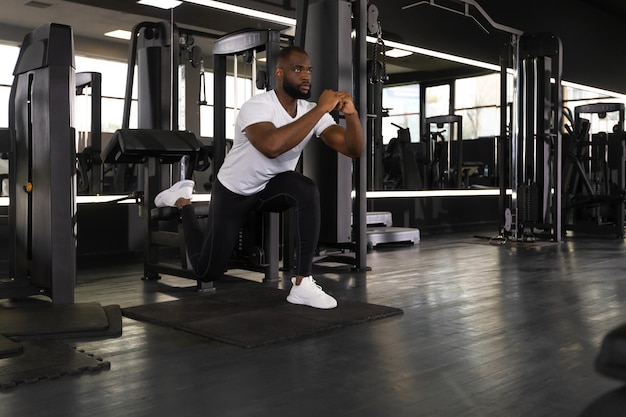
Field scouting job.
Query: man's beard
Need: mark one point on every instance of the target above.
(294, 92)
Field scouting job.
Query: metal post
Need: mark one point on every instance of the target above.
(359, 217)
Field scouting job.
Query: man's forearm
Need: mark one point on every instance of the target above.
(355, 139)
(286, 137)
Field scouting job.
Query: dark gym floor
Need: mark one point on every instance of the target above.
(487, 330)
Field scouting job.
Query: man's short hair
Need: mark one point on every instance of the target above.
(286, 52)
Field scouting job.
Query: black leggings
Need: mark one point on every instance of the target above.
(210, 247)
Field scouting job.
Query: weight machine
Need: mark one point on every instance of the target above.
(529, 150)
(440, 174)
(89, 146)
(400, 165)
(42, 193)
(537, 160)
(42, 181)
(158, 50)
(593, 169)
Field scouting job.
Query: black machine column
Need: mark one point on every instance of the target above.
(329, 44)
(340, 64)
(42, 165)
(157, 87)
(537, 148)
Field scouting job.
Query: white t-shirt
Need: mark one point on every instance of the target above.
(246, 170)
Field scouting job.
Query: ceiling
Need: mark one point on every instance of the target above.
(90, 19)
(424, 26)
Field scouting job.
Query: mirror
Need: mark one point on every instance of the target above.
(427, 107)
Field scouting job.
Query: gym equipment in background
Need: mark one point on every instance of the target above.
(594, 164)
(42, 176)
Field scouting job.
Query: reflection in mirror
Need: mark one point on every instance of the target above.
(421, 157)
(418, 155)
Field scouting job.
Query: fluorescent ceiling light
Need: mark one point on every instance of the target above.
(593, 89)
(436, 193)
(245, 11)
(398, 53)
(162, 4)
(436, 54)
(119, 34)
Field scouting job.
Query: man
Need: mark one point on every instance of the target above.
(258, 173)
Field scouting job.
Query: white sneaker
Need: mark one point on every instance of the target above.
(168, 197)
(310, 294)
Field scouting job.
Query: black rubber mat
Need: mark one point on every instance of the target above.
(27, 321)
(8, 347)
(46, 359)
(255, 316)
(50, 321)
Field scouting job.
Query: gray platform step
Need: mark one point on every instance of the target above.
(378, 235)
(375, 218)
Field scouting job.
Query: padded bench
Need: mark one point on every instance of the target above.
(152, 148)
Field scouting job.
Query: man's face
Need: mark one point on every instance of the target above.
(296, 77)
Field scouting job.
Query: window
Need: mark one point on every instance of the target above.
(477, 99)
(437, 100)
(9, 55)
(244, 93)
(114, 75)
(113, 89)
(438, 104)
(403, 105)
(5, 92)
